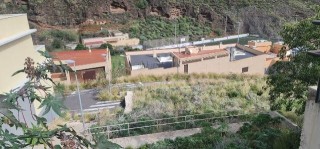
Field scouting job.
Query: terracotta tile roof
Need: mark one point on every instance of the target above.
(81, 57)
(182, 55)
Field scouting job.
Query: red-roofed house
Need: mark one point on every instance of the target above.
(87, 63)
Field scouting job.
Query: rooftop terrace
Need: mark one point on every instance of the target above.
(151, 62)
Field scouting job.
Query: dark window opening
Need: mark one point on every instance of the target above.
(245, 69)
(186, 68)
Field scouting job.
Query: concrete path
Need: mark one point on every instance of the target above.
(137, 141)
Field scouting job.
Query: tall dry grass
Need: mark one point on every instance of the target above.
(201, 93)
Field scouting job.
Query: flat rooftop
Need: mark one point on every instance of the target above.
(5, 16)
(202, 53)
(149, 61)
(242, 54)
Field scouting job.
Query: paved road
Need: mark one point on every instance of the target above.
(89, 103)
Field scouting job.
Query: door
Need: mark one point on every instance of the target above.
(186, 68)
(89, 75)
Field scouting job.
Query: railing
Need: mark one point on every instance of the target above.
(171, 123)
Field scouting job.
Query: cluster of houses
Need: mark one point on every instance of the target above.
(16, 44)
(254, 58)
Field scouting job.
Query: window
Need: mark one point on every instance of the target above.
(245, 69)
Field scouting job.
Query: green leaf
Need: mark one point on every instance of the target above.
(17, 72)
(5, 110)
(57, 147)
(34, 141)
(104, 143)
(50, 102)
(46, 54)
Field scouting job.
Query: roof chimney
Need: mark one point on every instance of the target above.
(232, 53)
(154, 54)
(90, 49)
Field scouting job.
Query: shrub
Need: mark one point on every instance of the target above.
(80, 47)
(89, 117)
(106, 45)
(57, 44)
(67, 116)
(259, 136)
(115, 95)
(142, 4)
(218, 32)
(298, 119)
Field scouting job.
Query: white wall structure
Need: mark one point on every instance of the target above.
(310, 136)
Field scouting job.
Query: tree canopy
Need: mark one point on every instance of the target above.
(290, 79)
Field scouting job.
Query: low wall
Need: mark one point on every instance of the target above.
(201, 42)
(126, 42)
(310, 135)
(157, 71)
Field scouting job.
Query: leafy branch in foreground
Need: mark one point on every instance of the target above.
(35, 132)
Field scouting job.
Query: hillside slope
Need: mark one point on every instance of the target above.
(263, 17)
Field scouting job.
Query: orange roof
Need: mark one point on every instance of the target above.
(200, 53)
(81, 57)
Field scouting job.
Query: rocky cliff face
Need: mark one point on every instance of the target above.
(262, 17)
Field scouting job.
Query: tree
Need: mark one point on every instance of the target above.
(106, 45)
(39, 133)
(142, 4)
(80, 47)
(57, 44)
(290, 79)
(110, 47)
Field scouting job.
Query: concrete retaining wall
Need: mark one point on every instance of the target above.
(310, 136)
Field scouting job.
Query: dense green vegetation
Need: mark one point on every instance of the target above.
(262, 132)
(56, 39)
(247, 94)
(289, 80)
(100, 33)
(81, 47)
(157, 27)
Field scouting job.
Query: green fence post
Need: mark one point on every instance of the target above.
(185, 122)
(128, 126)
(108, 132)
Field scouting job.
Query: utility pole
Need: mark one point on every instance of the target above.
(175, 32)
(238, 32)
(225, 27)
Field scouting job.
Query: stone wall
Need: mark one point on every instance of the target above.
(310, 136)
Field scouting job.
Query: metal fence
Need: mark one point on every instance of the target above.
(171, 123)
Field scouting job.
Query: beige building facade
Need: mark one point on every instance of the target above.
(15, 46)
(117, 38)
(244, 60)
(205, 59)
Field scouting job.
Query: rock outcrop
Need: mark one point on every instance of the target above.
(262, 17)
